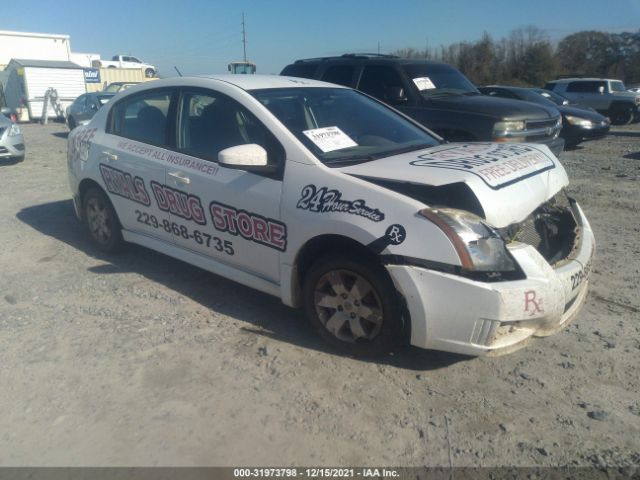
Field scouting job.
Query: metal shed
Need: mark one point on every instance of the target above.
(29, 80)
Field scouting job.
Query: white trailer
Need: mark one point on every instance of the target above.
(29, 80)
(33, 46)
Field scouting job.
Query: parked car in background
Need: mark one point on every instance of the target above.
(115, 87)
(11, 139)
(126, 61)
(609, 97)
(578, 124)
(332, 200)
(85, 107)
(438, 96)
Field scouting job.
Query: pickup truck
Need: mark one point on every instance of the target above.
(124, 61)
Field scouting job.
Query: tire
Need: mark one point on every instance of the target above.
(72, 123)
(101, 220)
(352, 303)
(622, 116)
(149, 72)
(111, 66)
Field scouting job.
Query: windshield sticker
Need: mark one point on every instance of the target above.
(124, 185)
(497, 164)
(424, 83)
(329, 139)
(322, 200)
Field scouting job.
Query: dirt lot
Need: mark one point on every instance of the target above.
(139, 359)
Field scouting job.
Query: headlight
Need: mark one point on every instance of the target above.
(14, 130)
(579, 122)
(479, 246)
(513, 126)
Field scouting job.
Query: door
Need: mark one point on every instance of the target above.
(228, 214)
(131, 161)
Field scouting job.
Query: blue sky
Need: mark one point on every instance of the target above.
(201, 37)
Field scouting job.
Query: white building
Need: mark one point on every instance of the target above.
(28, 80)
(33, 46)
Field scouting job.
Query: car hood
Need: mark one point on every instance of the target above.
(582, 112)
(508, 180)
(502, 108)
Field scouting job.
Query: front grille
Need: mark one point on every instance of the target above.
(552, 229)
(3, 150)
(533, 124)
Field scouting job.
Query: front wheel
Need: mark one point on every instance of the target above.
(149, 72)
(72, 123)
(102, 221)
(353, 305)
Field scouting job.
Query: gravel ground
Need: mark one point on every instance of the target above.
(138, 359)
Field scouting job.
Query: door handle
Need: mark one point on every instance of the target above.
(112, 157)
(180, 177)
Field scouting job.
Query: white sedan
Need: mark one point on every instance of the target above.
(335, 202)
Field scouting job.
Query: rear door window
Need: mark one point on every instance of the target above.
(143, 117)
(339, 74)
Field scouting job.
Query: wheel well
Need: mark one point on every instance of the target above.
(318, 246)
(85, 185)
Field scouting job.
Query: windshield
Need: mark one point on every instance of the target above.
(104, 98)
(535, 97)
(341, 126)
(617, 86)
(554, 97)
(434, 80)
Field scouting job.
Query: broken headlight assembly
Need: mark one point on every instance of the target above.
(479, 246)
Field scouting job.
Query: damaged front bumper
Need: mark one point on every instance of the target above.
(456, 314)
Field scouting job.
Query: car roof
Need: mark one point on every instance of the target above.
(583, 79)
(244, 82)
(349, 57)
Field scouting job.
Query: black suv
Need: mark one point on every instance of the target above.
(439, 97)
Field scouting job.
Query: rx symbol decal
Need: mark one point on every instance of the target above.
(395, 234)
(532, 305)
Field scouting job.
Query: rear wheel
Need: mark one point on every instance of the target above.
(353, 305)
(622, 115)
(102, 221)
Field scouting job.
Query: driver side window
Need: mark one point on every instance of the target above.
(210, 122)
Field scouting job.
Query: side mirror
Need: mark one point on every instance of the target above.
(250, 157)
(600, 89)
(395, 95)
(5, 111)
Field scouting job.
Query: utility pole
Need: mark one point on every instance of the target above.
(244, 40)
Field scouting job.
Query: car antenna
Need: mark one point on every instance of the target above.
(177, 70)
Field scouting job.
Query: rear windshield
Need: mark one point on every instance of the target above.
(342, 126)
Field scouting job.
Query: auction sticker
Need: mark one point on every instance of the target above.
(329, 139)
(424, 83)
